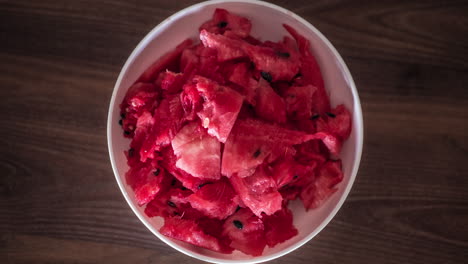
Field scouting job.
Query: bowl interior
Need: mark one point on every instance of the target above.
(267, 21)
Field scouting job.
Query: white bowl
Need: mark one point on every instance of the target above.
(267, 20)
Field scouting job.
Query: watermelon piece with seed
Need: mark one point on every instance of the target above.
(318, 191)
(299, 102)
(169, 163)
(251, 142)
(140, 98)
(336, 122)
(286, 171)
(197, 152)
(173, 202)
(258, 191)
(165, 62)
(246, 232)
(279, 227)
(224, 21)
(188, 231)
(269, 105)
(310, 72)
(215, 200)
(227, 49)
(220, 107)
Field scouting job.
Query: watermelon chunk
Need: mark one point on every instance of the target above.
(173, 202)
(251, 142)
(167, 122)
(270, 106)
(310, 72)
(246, 232)
(287, 170)
(258, 192)
(197, 152)
(220, 107)
(299, 102)
(336, 122)
(164, 62)
(191, 101)
(279, 227)
(241, 76)
(227, 49)
(188, 231)
(140, 98)
(216, 200)
(223, 22)
(169, 163)
(318, 191)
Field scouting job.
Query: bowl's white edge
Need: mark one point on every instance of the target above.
(357, 113)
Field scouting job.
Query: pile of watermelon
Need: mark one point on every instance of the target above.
(225, 132)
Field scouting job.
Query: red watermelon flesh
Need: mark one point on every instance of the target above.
(167, 122)
(142, 133)
(251, 142)
(279, 64)
(140, 98)
(310, 72)
(279, 227)
(246, 232)
(223, 22)
(258, 192)
(241, 76)
(164, 62)
(169, 163)
(318, 191)
(173, 202)
(216, 200)
(191, 101)
(287, 170)
(332, 143)
(299, 102)
(197, 152)
(227, 49)
(270, 106)
(220, 107)
(188, 231)
(336, 122)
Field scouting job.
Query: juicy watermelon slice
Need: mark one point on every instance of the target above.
(223, 22)
(318, 191)
(258, 192)
(270, 106)
(246, 232)
(191, 101)
(220, 108)
(216, 200)
(299, 102)
(164, 62)
(310, 72)
(173, 202)
(336, 122)
(279, 227)
(278, 64)
(198, 153)
(188, 231)
(227, 49)
(167, 122)
(169, 163)
(251, 142)
(286, 170)
(140, 98)
(146, 180)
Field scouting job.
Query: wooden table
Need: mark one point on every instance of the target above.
(59, 61)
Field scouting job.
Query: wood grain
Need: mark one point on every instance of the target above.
(59, 201)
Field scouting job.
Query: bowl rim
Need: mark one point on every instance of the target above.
(359, 128)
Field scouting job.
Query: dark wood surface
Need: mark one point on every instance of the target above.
(59, 61)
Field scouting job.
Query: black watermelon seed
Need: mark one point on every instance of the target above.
(127, 132)
(222, 24)
(173, 182)
(171, 204)
(267, 76)
(238, 208)
(296, 176)
(238, 224)
(156, 172)
(203, 184)
(315, 117)
(257, 153)
(331, 115)
(283, 54)
(183, 188)
(120, 122)
(122, 115)
(131, 152)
